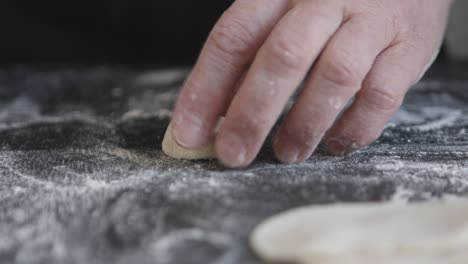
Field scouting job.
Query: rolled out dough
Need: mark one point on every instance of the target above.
(427, 233)
(172, 149)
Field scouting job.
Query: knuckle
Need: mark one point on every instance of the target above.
(381, 99)
(285, 52)
(232, 38)
(342, 69)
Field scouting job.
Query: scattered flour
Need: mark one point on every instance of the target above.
(138, 114)
(444, 121)
(427, 118)
(161, 246)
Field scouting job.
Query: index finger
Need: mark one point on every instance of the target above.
(230, 48)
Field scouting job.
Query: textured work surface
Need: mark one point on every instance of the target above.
(83, 180)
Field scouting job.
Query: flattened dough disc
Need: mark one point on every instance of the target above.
(427, 233)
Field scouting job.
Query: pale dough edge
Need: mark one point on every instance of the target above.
(174, 150)
(262, 234)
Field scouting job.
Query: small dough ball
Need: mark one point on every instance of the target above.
(174, 150)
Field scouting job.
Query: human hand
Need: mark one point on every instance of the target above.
(261, 50)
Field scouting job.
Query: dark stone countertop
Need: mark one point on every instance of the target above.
(83, 180)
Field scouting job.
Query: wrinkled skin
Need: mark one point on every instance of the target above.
(261, 50)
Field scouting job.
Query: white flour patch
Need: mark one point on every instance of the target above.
(138, 114)
(151, 101)
(96, 184)
(391, 166)
(161, 78)
(335, 103)
(193, 97)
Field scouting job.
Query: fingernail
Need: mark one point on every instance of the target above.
(231, 150)
(286, 152)
(187, 130)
